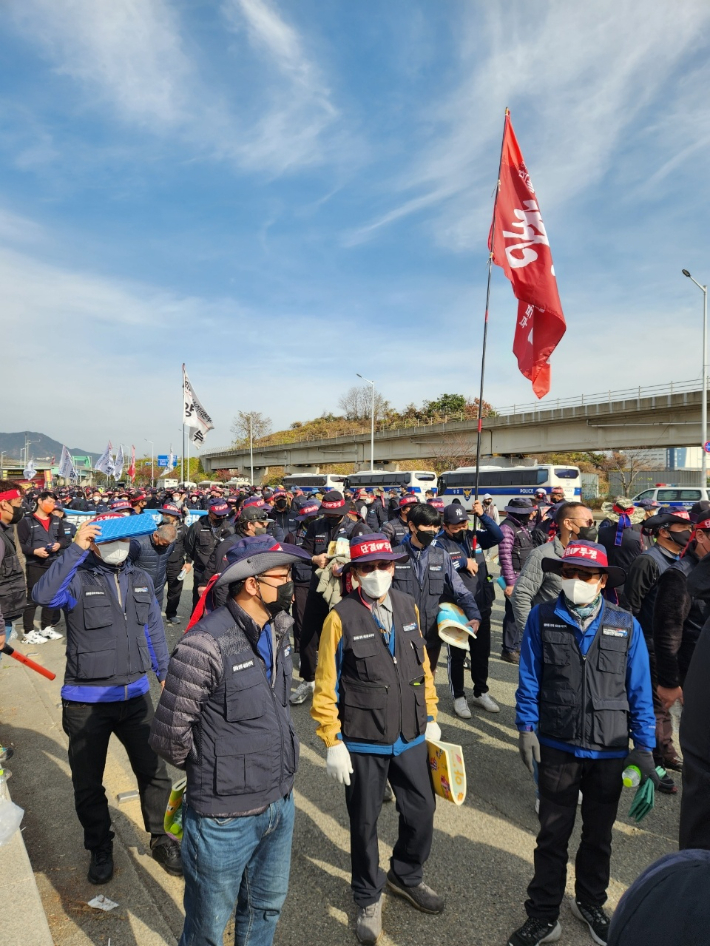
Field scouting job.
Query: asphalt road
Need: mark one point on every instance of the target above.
(481, 858)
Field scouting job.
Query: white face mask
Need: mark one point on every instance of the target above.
(113, 553)
(580, 592)
(376, 584)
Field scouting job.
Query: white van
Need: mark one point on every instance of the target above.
(677, 497)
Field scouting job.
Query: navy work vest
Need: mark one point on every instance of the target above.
(427, 595)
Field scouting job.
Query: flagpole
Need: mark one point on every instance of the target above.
(182, 456)
(479, 432)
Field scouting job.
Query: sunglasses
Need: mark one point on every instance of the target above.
(581, 574)
(369, 567)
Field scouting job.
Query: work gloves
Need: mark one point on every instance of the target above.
(643, 760)
(529, 749)
(432, 732)
(338, 764)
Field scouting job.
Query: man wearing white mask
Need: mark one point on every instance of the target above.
(114, 636)
(584, 690)
(375, 705)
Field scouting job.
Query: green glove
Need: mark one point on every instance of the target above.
(643, 800)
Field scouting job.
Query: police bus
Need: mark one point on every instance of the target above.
(314, 482)
(503, 483)
(414, 481)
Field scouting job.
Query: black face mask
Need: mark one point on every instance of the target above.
(17, 514)
(425, 538)
(281, 504)
(284, 597)
(587, 533)
(681, 539)
(458, 536)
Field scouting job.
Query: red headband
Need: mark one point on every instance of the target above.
(336, 504)
(10, 494)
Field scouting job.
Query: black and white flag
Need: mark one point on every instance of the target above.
(194, 415)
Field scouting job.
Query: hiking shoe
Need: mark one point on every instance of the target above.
(303, 692)
(167, 853)
(461, 707)
(511, 657)
(389, 794)
(49, 634)
(486, 702)
(534, 931)
(34, 637)
(101, 866)
(673, 762)
(173, 620)
(595, 918)
(421, 896)
(369, 922)
(666, 785)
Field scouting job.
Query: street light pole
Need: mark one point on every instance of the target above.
(372, 421)
(704, 406)
(152, 452)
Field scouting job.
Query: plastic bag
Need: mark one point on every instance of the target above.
(10, 819)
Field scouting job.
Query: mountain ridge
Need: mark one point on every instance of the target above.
(12, 445)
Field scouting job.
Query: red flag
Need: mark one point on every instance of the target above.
(519, 245)
(132, 467)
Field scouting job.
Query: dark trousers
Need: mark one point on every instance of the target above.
(300, 596)
(561, 776)
(315, 613)
(49, 616)
(511, 631)
(197, 581)
(408, 774)
(174, 589)
(480, 650)
(89, 727)
(664, 726)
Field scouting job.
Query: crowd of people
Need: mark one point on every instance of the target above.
(606, 621)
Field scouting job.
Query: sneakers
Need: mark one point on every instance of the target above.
(389, 794)
(666, 785)
(595, 918)
(173, 620)
(485, 701)
(101, 866)
(534, 931)
(369, 922)
(511, 656)
(461, 707)
(303, 692)
(421, 896)
(49, 634)
(34, 637)
(167, 853)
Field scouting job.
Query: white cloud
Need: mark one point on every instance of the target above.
(134, 56)
(577, 78)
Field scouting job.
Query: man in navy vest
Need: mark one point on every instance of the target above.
(375, 705)
(114, 636)
(585, 687)
(224, 717)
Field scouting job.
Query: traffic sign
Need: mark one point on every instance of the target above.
(706, 447)
(163, 459)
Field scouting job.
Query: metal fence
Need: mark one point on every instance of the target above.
(650, 478)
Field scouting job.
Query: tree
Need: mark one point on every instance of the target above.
(249, 424)
(627, 467)
(445, 404)
(356, 403)
(453, 451)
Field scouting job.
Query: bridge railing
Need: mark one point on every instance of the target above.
(546, 404)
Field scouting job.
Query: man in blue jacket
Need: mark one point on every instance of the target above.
(584, 688)
(114, 636)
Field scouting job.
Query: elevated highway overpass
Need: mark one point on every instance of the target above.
(637, 418)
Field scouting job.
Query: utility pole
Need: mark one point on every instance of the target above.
(704, 405)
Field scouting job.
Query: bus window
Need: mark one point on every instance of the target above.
(568, 474)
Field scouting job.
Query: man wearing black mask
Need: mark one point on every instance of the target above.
(397, 529)
(203, 537)
(13, 592)
(282, 512)
(513, 552)
(429, 576)
(672, 532)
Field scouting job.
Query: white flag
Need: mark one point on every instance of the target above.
(118, 465)
(29, 471)
(172, 461)
(66, 466)
(193, 413)
(105, 462)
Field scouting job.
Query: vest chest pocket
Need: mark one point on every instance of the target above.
(364, 711)
(96, 664)
(436, 580)
(558, 713)
(141, 601)
(245, 772)
(365, 648)
(243, 695)
(97, 610)
(417, 643)
(612, 654)
(611, 723)
(556, 646)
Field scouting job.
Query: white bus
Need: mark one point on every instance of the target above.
(503, 483)
(413, 481)
(314, 482)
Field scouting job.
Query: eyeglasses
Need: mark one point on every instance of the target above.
(281, 579)
(369, 567)
(581, 574)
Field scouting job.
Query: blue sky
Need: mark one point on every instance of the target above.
(283, 194)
